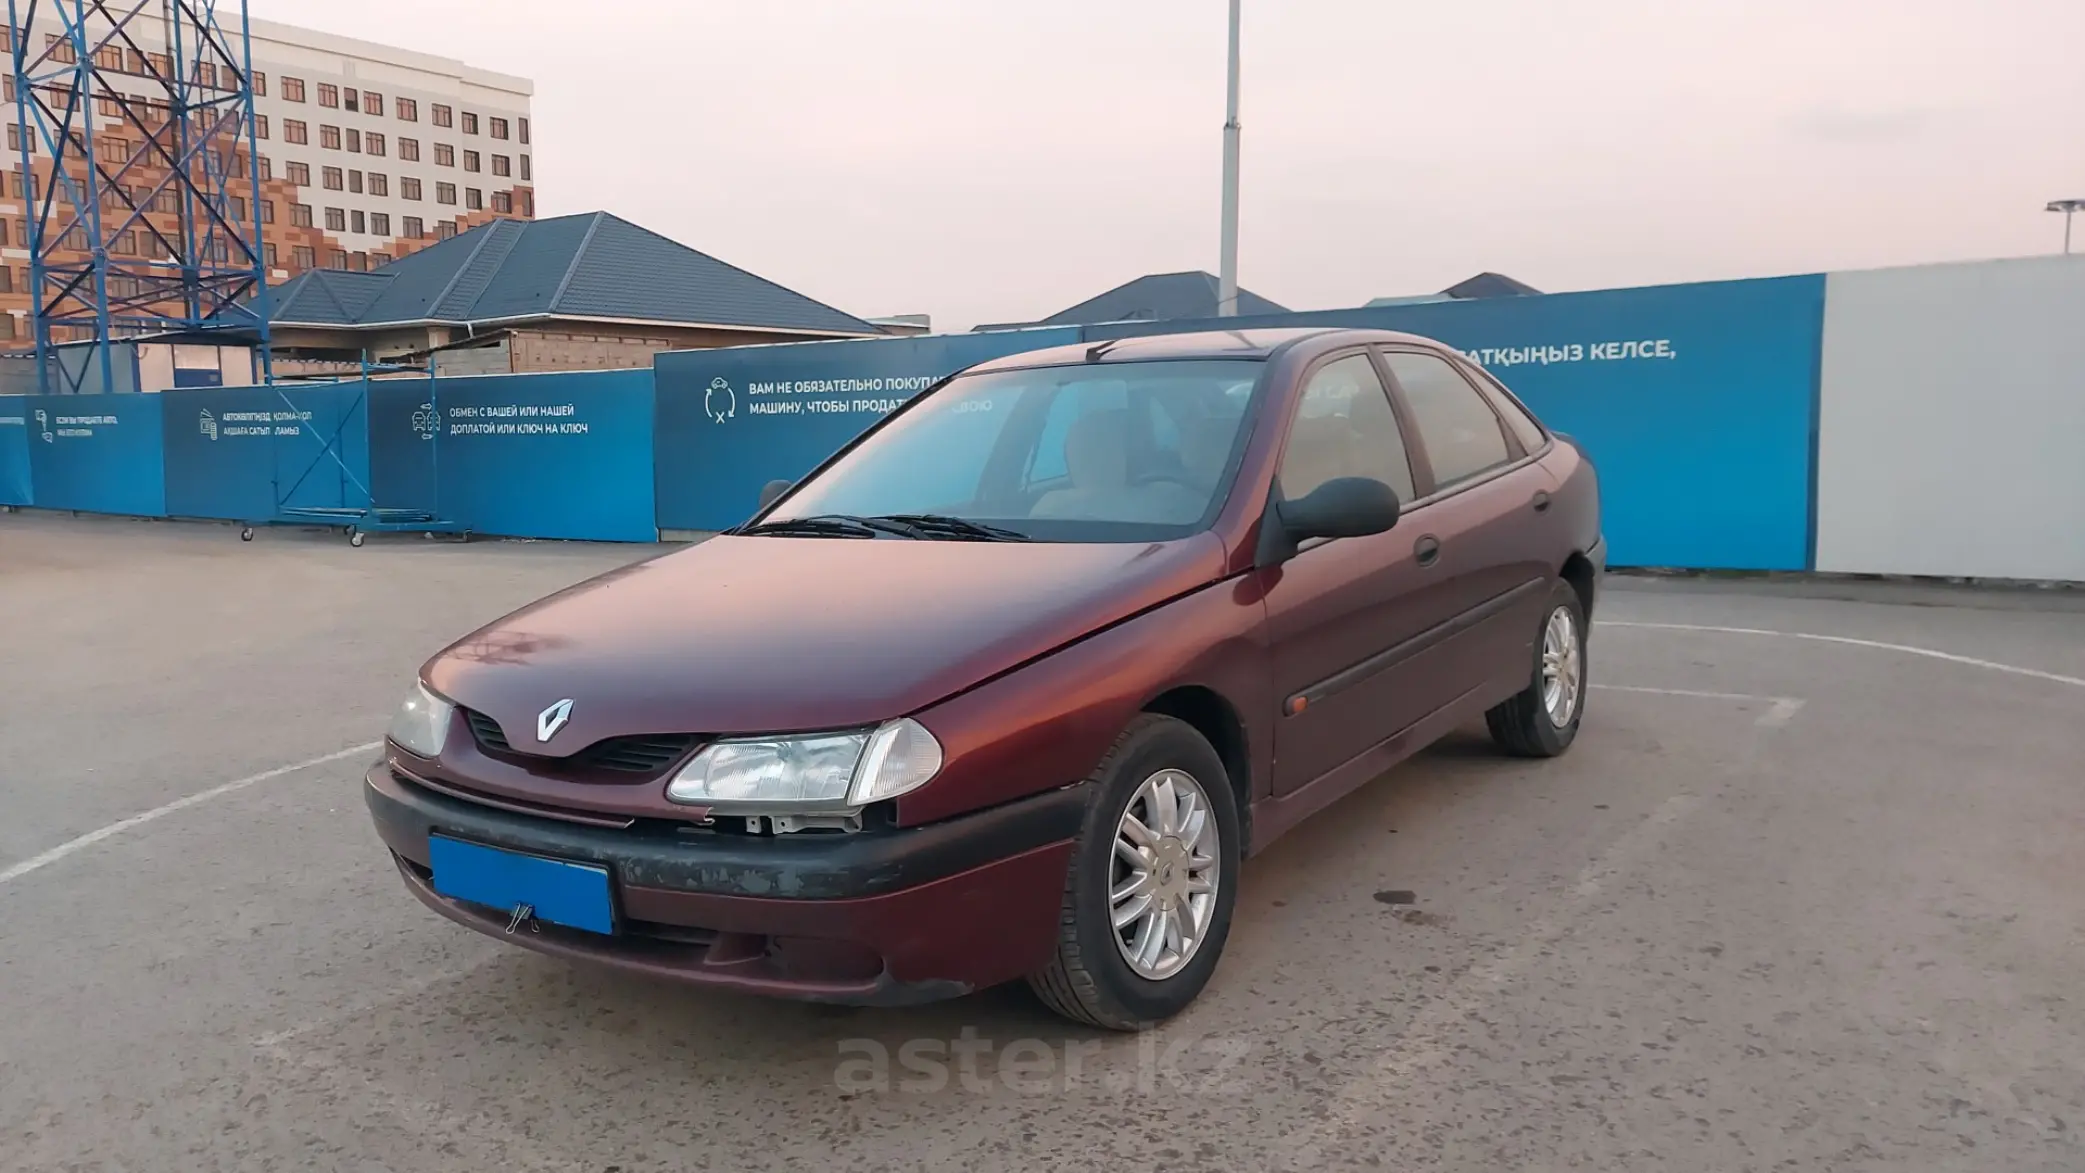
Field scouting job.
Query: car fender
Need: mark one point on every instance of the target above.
(1049, 722)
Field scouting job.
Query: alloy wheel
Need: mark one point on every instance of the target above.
(1162, 885)
(1563, 667)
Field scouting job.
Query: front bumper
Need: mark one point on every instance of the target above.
(878, 917)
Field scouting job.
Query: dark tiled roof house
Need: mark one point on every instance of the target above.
(1159, 297)
(566, 293)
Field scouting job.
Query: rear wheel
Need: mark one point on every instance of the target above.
(1152, 883)
(1541, 721)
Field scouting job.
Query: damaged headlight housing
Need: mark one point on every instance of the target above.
(810, 772)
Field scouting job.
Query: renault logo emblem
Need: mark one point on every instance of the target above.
(552, 719)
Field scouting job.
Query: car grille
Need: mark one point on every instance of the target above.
(647, 754)
(487, 732)
(643, 753)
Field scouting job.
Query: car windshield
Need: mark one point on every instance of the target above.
(1118, 452)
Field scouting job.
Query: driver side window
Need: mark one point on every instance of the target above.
(1345, 427)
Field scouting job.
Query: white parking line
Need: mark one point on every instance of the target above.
(277, 1039)
(1780, 709)
(1907, 649)
(1784, 710)
(365, 1093)
(1378, 1092)
(1426, 1043)
(38, 862)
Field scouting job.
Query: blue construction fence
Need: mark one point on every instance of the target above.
(1698, 404)
(553, 456)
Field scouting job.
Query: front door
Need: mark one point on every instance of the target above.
(1336, 612)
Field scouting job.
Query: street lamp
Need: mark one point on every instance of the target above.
(2068, 208)
(1227, 262)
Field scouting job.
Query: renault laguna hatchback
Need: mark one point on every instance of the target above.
(1010, 685)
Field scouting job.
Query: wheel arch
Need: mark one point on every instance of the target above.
(1578, 571)
(1212, 715)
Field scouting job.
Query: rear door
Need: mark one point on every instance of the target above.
(1486, 497)
(1335, 609)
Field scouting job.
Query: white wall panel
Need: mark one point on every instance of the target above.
(155, 367)
(1951, 436)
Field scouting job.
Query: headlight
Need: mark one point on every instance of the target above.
(422, 723)
(825, 771)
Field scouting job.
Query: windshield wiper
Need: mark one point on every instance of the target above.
(956, 527)
(828, 525)
(917, 526)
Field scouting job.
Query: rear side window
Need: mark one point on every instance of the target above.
(1524, 426)
(1345, 428)
(1462, 435)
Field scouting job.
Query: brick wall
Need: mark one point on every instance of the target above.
(578, 348)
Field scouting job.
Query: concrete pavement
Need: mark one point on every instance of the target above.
(1785, 904)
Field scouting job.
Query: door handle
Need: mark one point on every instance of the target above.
(1541, 502)
(1427, 550)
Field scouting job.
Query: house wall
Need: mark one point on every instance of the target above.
(580, 348)
(235, 365)
(381, 344)
(573, 346)
(496, 359)
(155, 367)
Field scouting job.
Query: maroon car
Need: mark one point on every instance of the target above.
(1010, 685)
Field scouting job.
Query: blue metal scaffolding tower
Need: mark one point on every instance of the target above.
(146, 217)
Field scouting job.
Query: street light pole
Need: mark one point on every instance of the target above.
(2067, 207)
(1227, 264)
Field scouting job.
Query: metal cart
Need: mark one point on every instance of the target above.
(359, 522)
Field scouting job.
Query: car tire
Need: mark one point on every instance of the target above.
(1092, 977)
(1531, 723)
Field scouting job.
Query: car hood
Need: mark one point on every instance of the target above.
(778, 634)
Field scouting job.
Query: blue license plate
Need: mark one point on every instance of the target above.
(572, 894)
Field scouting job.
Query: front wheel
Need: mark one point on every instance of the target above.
(1153, 880)
(1541, 721)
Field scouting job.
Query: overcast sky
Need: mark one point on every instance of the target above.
(988, 160)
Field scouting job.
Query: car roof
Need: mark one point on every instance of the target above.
(1232, 344)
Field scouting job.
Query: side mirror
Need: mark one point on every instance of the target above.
(772, 492)
(1343, 507)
